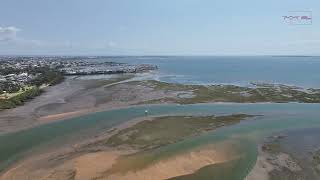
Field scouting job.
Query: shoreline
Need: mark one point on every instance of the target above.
(75, 97)
(73, 114)
(83, 112)
(85, 97)
(91, 151)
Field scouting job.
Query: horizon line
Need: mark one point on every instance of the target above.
(90, 55)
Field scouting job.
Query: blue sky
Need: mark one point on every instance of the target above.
(157, 27)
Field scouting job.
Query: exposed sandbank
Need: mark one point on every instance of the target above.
(96, 165)
(107, 163)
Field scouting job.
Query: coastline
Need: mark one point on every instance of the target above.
(57, 163)
(75, 98)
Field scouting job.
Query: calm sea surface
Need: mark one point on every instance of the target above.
(301, 71)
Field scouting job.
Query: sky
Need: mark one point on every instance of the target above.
(158, 27)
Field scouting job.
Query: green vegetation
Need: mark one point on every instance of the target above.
(9, 95)
(10, 70)
(47, 76)
(165, 130)
(43, 75)
(231, 93)
(147, 135)
(20, 98)
(272, 147)
(13, 94)
(225, 171)
(9, 87)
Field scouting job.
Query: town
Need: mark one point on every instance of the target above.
(22, 74)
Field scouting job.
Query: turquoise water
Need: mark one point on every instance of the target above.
(276, 117)
(240, 70)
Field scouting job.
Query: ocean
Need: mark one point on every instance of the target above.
(237, 70)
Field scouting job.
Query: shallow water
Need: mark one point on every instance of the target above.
(301, 144)
(276, 118)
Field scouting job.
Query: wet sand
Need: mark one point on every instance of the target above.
(261, 169)
(27, 115)
(290, 155)
(270, 166)
(181, 164)
(96, 165)
(94, 159)
(62, 116)
(75, 97)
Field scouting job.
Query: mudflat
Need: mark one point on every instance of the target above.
(73, 97)
(289, 155)
(78, 96)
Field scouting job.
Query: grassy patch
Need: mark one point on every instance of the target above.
(161, 131)
(231, 93)
(20, 98)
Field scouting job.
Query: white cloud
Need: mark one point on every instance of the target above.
(12, 43)
(8, 33)
(9, 37)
